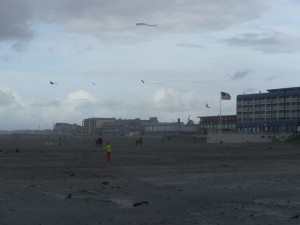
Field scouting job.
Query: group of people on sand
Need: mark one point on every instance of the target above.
(98, 142)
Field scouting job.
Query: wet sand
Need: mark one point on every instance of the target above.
(181, 181)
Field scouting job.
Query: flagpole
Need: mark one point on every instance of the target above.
(220, 114)
(224, 96)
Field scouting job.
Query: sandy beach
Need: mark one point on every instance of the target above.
(180, 181)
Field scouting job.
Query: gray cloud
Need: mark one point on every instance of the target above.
(267, 42)
(181, 16)
(189, 45)
(250, 90)
(116, 19)
(270, 78)
(4, 59)
(14, 21)
(241, 74)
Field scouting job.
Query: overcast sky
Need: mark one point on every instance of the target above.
(98, 57)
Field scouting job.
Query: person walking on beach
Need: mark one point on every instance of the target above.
(108, 151)
(100, 142)
(137, 141)
(141, 141)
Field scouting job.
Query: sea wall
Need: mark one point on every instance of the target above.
(240, 137)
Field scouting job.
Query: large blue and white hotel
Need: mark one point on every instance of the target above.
(278, 110)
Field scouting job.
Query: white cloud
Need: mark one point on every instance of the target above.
(7, 96)
(80, 95)
(182, 61)
(20, 113)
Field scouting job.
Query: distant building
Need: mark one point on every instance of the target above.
(94, 125)
(212, 124)
(129, 127)
(66, 128)
(114, 128)
(188, 129)
(162, 129)
(136, 127)
(170, 129)
(275, 111)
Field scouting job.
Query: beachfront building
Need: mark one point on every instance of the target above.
(115, 128)
(170, 129)
(136, 127)
(121, 128)
(278, 110)
(66, 128)
(127, 127)
(94, 125)
(162, 129)
(211, 124)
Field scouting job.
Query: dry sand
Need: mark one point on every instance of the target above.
(181, 181)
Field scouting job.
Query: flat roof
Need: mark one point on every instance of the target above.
(271, 93)
(284, 89)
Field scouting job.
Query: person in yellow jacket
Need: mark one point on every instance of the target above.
(108, 151)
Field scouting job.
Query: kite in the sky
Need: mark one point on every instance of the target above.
(52, 83)
(143, 81)
(93, 83)
(146, 24)
(207, 106)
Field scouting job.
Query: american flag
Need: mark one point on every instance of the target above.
(225, 96)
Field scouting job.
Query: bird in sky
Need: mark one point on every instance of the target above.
(207, 106)
(93, 83)
(146, 24)
(52, 83)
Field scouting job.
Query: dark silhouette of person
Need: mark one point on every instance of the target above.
(100, 142)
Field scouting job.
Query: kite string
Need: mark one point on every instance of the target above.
(179, 81)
